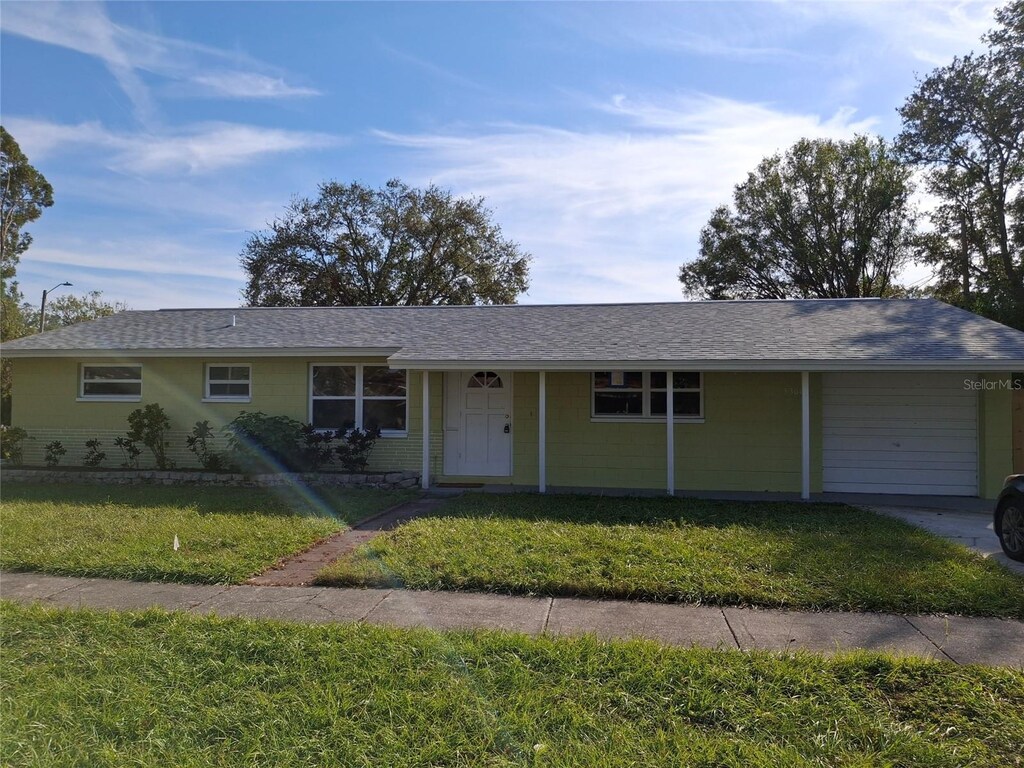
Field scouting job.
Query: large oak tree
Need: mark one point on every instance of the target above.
(354, 245)
(826, 219)
(24, 193)
(965, 124)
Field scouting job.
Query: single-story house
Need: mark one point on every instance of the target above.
(801, 397)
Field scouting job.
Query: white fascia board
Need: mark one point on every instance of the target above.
(214, 352)
(981, 364)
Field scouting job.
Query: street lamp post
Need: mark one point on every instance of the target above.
(42, 307)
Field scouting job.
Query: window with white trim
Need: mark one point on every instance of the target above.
(640, 395)
(230, 382)
(357, 395)
(110, 382)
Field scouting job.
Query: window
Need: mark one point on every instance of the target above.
(111, 382)
(640, 395)
(484, 380)
(228, 382)
(363, 396)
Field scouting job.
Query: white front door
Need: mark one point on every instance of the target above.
(478, 423)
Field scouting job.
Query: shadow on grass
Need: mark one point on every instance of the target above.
(346, 505)
(777, 554)
(656, 511)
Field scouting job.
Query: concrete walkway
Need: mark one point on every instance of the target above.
(993, 642)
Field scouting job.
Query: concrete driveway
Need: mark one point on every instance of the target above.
(972, 529)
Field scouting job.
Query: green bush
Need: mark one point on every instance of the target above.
(93, 455)
(198, 443)
(54, 452)
(261, 443)
(354, 451)
(149, 426)
(10, 443)
(129, 450)
(317, 448)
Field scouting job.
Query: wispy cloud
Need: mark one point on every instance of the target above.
(195, 149)
(146, 255)
(616, 211)
(431, 69)
(127, 52)
(249, 85)
(931, 32)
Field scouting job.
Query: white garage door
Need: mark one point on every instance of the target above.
(899, 433)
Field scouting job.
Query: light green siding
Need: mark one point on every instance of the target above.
(995, 432)
(749, 439)
(45, 391)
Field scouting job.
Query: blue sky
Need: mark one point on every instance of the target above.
(601, 134)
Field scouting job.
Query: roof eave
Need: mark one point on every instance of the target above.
(962, 364)
(206, 352)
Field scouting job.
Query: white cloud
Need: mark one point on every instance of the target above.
(195, 149)
(144, 272)
(127, 52)
(249, 85)
(148, 255)
(610, 215)
(931, 32)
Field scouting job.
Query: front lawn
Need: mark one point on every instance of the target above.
(127, 532)
(158, 689)
(728, 553)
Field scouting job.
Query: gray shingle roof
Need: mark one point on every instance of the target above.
(869, 331)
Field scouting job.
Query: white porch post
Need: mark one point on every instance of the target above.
(805, 435)
(670, 435)
(542, 433)
(425, 469)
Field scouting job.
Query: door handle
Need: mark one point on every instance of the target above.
(508, 428)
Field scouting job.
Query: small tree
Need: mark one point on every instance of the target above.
(149, 426)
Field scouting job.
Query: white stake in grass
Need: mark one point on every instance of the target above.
(176, 543)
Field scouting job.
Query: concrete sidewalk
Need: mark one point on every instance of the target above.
(994, 642)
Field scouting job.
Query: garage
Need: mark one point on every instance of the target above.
(911, 433)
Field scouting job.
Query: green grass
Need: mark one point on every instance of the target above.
(95, 689)
(815, 556)
(127, 532)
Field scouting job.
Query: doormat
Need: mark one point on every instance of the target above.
(458, 485)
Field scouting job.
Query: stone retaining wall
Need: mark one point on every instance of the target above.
(384, 481)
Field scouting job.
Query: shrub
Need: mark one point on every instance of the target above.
(149, 426)
(354, 450)
(129, 450)
(317, 448)
(256, 440)
(198, 443)
(54, 452)
(93, 455)
(10, 443)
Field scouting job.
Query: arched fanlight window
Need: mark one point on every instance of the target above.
(484, 380)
